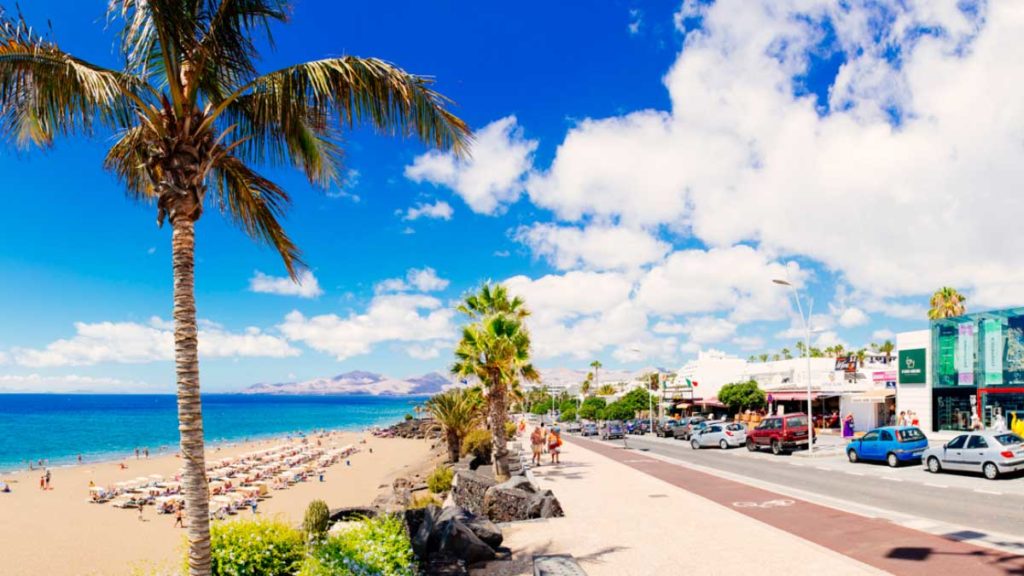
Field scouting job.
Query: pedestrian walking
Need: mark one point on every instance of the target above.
(554, 445)
(141, 519)
(136, 452)
(902, 420)
(179, 517)
(537, 444)
(254, 505)
(47, 477)
(146, 452)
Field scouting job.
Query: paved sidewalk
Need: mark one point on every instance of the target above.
(881, 544)
(621, 521)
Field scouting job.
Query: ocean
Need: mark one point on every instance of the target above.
(59, 427)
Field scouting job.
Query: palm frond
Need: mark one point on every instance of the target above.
(355, 91)
(45, 92)
(127, 161)
(255, 204)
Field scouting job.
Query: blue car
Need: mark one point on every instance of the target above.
(891, 444)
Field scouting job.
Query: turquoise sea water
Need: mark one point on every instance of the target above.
(59, 427)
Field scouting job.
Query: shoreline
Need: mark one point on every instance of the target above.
(58, 532)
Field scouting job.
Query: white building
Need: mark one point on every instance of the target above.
(711, 370)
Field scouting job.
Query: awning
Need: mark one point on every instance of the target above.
(875, 396)
(713, 401)
(791, 396)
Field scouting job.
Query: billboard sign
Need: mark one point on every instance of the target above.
(912, 368)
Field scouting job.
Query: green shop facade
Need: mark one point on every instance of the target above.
(976, 368)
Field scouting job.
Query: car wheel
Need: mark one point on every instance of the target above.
(723, 444)
(934, 466)
(751, 445)
(852, 455)
(892, 460)
(776, 447)
(694, 444)
(990, 470)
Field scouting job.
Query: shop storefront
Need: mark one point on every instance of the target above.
(978, 368)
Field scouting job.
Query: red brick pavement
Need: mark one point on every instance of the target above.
(875, 542)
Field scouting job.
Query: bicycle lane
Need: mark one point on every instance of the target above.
(875, 542)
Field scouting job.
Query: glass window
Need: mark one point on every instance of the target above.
(797, 421)
(910, 435)
(957, 442)
(716, 428)
(870, 437)
(977, 442)
(1009, 439)
(886, 436)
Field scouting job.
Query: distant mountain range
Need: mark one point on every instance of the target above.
(358, 382)
(371, 383)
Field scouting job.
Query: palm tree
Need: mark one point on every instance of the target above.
(585, 387)
(493, 299)
(947, 303)
(886, 348)
(787, 354)
(801, 349)
(192, 114)
(762, 358)
(457, 410)
(596, 365)
(776, 357)
(861, 354)
(495, 349)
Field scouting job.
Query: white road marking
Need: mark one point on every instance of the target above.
(936, 485)
(823, 468)
(891, 479)
(855, 473)
(796, 464)
(992, 492)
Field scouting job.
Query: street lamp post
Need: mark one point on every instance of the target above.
(807, 350)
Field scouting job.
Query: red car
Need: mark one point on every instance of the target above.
(780, 433)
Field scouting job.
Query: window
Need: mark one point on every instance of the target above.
(886, 436)
(734, 427)
(797, 421)
(716, 428)
(870, 437)
(910, 435)
(1009, 439)
(957, 442)
(977, 442)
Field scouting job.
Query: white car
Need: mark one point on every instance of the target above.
(991, 453)
(723, 435)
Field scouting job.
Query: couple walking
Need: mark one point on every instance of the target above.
(541, 438)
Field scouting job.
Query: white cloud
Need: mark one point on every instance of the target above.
(492, 177)
(421, 352)
(883, 334)
(594, 247)
(852, 317)
(351, 181)
(636, 19)
(708, 329)
(305, 286)
(738, 279)
(131, 342)
(36, 383)
(440, 210)
(894, 186)
(389, 318)
(421, 279)
(3, 357)
(749, 343)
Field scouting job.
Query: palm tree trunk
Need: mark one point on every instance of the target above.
(498, 418)
(453, 446)
(190, 415)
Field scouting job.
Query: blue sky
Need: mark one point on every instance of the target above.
(642, 170)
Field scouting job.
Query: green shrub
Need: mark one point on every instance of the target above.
(423, 500)
(408, 417)
(377, 547)
(477, 443)
(568, 415)
(258, 547)
(510, 430)
(440, 480)
(317, 520)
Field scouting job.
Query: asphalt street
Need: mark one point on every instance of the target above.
(969, 501)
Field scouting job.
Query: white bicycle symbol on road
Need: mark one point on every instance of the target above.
(764, 504)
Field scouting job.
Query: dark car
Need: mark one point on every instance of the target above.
(686, 427)
(637, 427)
(664, 429)
(589, 429)
(780, 433)
(612, 429)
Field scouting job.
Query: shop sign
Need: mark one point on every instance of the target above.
(886, 376)
(912, 366)
(965, 354)
(846, 363)
(993, 339)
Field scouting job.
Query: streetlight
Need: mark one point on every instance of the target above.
(807, 350)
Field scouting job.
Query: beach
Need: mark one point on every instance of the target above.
(59, 533)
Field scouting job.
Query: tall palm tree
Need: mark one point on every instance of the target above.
(585, 387)
(861, 354)
(786, 354)
(493, 299)
(596, 365)
(886, 348)
(762, 357)
(457, 410)
(947, 303)
(496, 351)
(801, 349)
(193, 115)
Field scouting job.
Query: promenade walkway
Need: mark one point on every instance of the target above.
(622, 521)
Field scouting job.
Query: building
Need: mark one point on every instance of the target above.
(964, 368)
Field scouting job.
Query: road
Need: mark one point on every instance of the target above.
(956, 499)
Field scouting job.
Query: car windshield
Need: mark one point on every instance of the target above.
(797, 421)
(1009, 439)
(910, 435)
(734, 427)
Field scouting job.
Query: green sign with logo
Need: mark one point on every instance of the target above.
(912, 366)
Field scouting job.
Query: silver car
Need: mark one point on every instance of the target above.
(723, 435)
(991, 453)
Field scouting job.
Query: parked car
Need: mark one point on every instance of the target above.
(573, 427)
(589, 429)
(719, 434)
(686, 426)
(612, 429)
(638, 427)
(780, 433)
(664, 429)
(892, 444)
(991, 453)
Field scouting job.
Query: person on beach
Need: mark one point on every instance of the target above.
(146, 452)
(47, 477)
(537, 443)
(254, 505)
(136, 452)
(554, 445)
(179, 517)
(141, 519)
(42, 482)
(79, 458)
